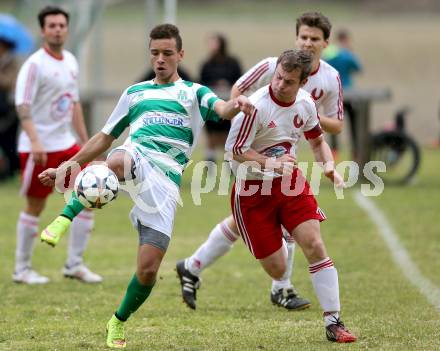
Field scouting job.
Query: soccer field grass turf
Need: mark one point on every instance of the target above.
(233, 308)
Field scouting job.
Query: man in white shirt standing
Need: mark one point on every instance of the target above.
(324, 85)
(47, 102)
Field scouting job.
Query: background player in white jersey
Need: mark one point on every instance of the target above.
(270, 192)
(165, 116)
(48, 106)
(323, 83)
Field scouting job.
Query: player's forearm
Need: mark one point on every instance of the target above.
(331, 125)
(78, 123)
(227, 109)
(235, 92)
(321, 150)
(24, 115)
(251, 156)
(96, 145)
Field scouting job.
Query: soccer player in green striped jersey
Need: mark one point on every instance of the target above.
(165, 117)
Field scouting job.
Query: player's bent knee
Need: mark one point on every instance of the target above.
(121, 163)
(147, 274)
(275, 268)
(278, 272)
(316, 249)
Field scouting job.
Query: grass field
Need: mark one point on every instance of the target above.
(234, 313)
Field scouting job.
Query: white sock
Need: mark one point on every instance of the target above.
(220, 241)
(331, 318)
(210, 154)
(285, 281)
(325, 281)
(27, 231)
(80, 230)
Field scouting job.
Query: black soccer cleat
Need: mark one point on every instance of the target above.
(289, 299)
(338, 333)
(189, 283)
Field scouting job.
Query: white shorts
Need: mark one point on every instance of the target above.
(154, 195)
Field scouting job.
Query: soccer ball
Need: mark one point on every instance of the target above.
(95, 186)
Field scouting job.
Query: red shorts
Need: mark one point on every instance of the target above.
(259, 216)
(31, 185)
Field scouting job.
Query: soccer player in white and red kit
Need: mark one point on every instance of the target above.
(47, 102)
(270, 192)
(312, 34)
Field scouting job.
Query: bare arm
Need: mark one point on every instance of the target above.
(78, 123)
(331, 125)
(228, 110)
(323, 154)
(235, 92)
(39, 155)
(96, 145)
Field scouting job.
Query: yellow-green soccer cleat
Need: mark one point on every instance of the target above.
(54, 231)
(115, 334)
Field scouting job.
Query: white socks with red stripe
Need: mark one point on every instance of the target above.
(27, 231)
(325, 281)
(80, 230)
(220, 241)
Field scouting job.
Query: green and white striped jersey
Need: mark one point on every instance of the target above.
(165, 121)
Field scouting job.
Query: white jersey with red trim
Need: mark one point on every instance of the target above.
(324, 85)
(50, 86)
(273, 129)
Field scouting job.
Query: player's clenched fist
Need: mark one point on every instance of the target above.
(47, 177)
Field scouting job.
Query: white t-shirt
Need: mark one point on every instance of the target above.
(50, 86)
(324, 85)
(274, 129)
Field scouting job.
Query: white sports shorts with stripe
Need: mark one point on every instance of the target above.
(154, 195)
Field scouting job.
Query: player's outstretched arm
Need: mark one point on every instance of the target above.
(98, 144)
(323, 154)
(228, 110)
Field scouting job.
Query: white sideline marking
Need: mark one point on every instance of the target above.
(398, 252)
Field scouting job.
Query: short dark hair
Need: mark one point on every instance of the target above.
(296, 59)
(167, 31)
(315, 19)
(51, 10)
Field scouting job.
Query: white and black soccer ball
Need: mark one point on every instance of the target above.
(96, 185)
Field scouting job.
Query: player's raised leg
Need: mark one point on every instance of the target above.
(324, 278)
(55, 230)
